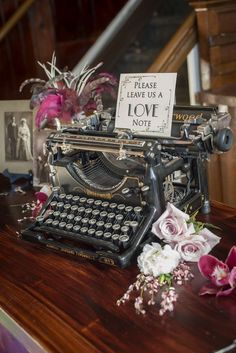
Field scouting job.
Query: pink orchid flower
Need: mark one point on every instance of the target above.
(221, 274)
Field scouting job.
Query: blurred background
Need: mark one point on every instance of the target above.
(196, 39)
(71, 28)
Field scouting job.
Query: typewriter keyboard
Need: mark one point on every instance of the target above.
(100, 223)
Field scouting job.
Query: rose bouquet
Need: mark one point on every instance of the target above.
(162, 268)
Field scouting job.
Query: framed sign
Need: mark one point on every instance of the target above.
(145, 103)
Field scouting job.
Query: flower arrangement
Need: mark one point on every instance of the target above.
(162, 268)
(65, 96)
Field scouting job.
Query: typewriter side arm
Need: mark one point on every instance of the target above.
(156, 174)
(203, 184)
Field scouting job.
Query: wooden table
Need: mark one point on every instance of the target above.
(55, 303)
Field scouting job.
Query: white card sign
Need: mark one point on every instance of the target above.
(145, 103)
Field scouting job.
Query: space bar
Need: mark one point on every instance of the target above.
(79, 237)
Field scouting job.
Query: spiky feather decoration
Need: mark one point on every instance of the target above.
(65, 95)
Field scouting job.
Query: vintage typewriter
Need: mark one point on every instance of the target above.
(109, 185)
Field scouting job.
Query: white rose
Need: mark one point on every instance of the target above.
(172, 225)
(156, 261)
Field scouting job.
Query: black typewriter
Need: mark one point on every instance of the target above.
(109, 185)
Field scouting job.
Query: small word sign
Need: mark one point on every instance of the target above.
(145, 103)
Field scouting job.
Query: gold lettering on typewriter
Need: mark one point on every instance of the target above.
(51, 246)
(107, 196)
(106, 260)
(186, 117)
(54, 247)
(84, 255)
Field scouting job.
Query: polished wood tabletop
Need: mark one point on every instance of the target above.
(56, 303)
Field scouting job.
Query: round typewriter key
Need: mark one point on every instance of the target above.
(56, 214)
(115, 238)
(121, 207)
(62, 197)
(70, 217)
(53, 204)
(128, 209)
(49, 213)
(125, 191)
(92, 222)
(74, 209)
(69, 226)
(77, 219)
(127, 223)
(83, 200)
(111, 216)
(138, 211)
(76, 228)
(60, 206)
(100, 224)
(113, 206)
(55, 223)
(119, 218)
(81, 210)
(75, 199)
(83, 230)
(103, 214)
(48, 222)
(56, 189)
(88, 211)
(67, 207)
(62, 225)
(107, 235)
(63, 216)
(91, 232)
(39, 219)
(105, 204)
(124, 240)
(124, 229)
(145, 188)
(69, 197)
(97, 203)
(116, 227)
(84, 221)
(134, 225)
(90, 202)
(95, 213)
(99, 234)
(107, 226)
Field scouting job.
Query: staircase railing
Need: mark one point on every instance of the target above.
(118, 35)
(14, 19)
(176, 50)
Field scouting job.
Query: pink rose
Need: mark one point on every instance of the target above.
(172, 225)
(193, 247)
(221, 274)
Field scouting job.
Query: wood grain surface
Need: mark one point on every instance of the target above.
(68, 304)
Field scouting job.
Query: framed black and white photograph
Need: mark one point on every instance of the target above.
(16, 134)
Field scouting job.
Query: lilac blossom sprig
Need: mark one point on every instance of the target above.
(152, 283)
(148, 287)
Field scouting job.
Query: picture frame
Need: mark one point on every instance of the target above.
(16, 134)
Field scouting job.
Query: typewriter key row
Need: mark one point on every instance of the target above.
(73, 202)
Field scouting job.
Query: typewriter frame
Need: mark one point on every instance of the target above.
(204, 131)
